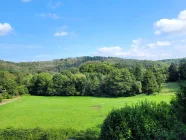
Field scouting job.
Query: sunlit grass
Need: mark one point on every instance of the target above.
(69, 112)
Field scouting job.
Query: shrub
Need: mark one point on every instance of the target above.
(5, 95)
(46, 134)
(179, 103)
(146, 120)
(22, 90)
(1, 98)
(89, 134)
(10, 86)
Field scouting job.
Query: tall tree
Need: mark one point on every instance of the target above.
(173, 73)
(118, 83)
(149, 84)
(179, 103)
(182, 70)
(10, 85)
(138, 72)
(63, 85)
(40, 83)
(80, 80)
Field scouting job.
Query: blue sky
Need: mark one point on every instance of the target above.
(35, 30)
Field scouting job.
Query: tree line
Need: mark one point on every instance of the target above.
(12, 84)
(99, 79)
(177, 72)
(93, 78)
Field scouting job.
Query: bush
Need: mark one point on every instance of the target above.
(87, 135)
(1, 98)
(146, 120)
(5, 95)
(46, 134)
(179, 103)
(22, 90)
(10, 86)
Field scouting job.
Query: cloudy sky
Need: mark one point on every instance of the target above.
(32, 30)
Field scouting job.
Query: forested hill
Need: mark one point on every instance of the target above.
(88, 76)
(59, 64)
(175, 61)
(9, 66)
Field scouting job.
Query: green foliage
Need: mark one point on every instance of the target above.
(160, 74)
(182, 70)
(10, 85)
(118, 83)
(5, 76)
(146, 120)
(64, 85)
(77, 76)
(7, 82)
(137, 88)
(22, 90)
(27, 80)
(80, 84)
(149, 83)
(93, 84)
(49, 134)
(179, 103)
(138, 72)
(40, 83)
(99, 79)
(19, 77)
(1, 98)
(77, 79)
(5, 95)
(173, 73)
(58, 83)
(98, 67)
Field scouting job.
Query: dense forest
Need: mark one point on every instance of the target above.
(88, 76)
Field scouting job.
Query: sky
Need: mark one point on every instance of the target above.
(39, 30)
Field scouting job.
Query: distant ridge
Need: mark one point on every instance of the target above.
(59, 64)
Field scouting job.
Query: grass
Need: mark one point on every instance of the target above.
(78, 113)
(170, 87)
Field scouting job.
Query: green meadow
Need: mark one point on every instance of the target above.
(78, 113)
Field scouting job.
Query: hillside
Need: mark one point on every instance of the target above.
(59, 64)
(176, 61)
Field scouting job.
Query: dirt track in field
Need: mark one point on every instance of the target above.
(10, 100)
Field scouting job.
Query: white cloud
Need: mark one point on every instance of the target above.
(177, 25)
(61, 31)
(163, 43)
(109, 51)
(49, 15)
(26, 0)
(137, 51)
(159, 44)
(118, 51)
(61, 34)
(5, 28)
(180, 48)
(151, 45)
(182, 15)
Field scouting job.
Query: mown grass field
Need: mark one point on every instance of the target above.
(78, 113)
